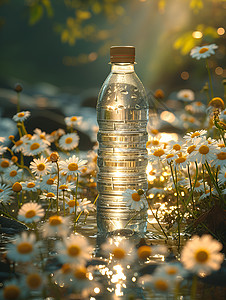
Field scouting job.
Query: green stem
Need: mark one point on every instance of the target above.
(157, 219)
(79, 215)
(58, 182)
(194, 287)
(136, 214)
(64, 203)
(192, 198)
(210, 79)
(213, 180)
(7, 215)
(18, 102)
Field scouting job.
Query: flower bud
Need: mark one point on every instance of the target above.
(11, 137)
(14, 159)
(54, 157)
(17, 187)
(18, 87)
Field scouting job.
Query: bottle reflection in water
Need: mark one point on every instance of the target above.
(122, 115)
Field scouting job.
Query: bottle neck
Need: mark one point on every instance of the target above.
(122, 68)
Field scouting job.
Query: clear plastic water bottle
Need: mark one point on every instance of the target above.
(122, 115)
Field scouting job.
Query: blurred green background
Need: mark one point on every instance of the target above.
(66, 42)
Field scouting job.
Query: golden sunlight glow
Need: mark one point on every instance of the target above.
(166, 137)
(197, 34)
(149, 168)
(167, 116)
(220, 31)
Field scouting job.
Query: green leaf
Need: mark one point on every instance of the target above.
(36, 12)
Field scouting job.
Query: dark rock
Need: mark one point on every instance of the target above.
(10, 226)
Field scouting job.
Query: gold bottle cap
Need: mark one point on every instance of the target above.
(122, 54)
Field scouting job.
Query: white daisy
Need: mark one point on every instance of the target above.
(203, 152)
(81, 281)
(4, 164)
(56, 226)
(175, 145)
(13, 290)
(48, 183)
(63, 275)
(182, 160)
(13, 174)
(48, 196)
(204, 51)
(189, 122)
(69, 141)
(47, 138)
(145, 252)
(40, 166)
(34, 146)
(5, 193)
(186, 95)
(156, 155)
(198, 188)
(170, 157)
(21, 116)
(196, 107)
(30, 186)
(202, 255)
(72, 166)
(174, 271)
(30, 212)
(23, 248)
(19, 145)
(81, 205)
(157, 282)
(134, 200)
(193, 135)
(207, 192)
(219, 159)
(222, 176)
(73, 121)
(2, 149)
(74, 249)
(121, 251)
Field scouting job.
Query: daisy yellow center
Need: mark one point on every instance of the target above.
(144, 252)
(34, 146)
(5, 164)
(20, 115)
(68, 140)
(24, 248)
(207, 191)
(152, 173)
(17, 187)
(201, 256)
(224, 112)
(197, 184)
(55, 220)
(191, 119)
(221, 155)
(191, 149)
(198, 103)
(50, 195)
(180, 160)
(30, 185)
(80, 273)
(73, 119)
(18, 143)
(119, 253)
(63, 187)
(11, 292)
(13, 173)
(159, 152)
(148, 143)
(204, 149)
(171, 271)
(176, 147)
(169, 155)
(42, 136)
(161, 285)
(34, 280)
(72, 167)
(41, 167)
(84, 169)
(1, 190)
(74, 250)
(50, 181)
(225, 175)
(30, 214)
(185, 95)
(155, 142)
(154, 131)
(71, 203)
(135, 197)
(195, 134)
(203, 50)
(65, 269)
